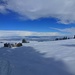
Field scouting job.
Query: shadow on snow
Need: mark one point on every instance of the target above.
(69, 45)
(27, 61)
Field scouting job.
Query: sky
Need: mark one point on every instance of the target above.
(37, 17)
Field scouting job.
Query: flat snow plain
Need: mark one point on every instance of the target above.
(39, 58)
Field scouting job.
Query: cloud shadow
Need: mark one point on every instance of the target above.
(27, 61)
(69, 45)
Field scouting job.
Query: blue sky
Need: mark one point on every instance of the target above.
(12, 22)
(38, 20)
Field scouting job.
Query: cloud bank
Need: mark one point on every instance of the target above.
(70, 31)
(63, 10)
(4, 33)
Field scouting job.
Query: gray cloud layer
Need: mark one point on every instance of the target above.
(63, 10)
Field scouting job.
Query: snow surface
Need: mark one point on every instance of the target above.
(39, 58)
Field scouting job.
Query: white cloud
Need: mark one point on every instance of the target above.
(5, 33)
(63, 10)
(2, 9)
(68, 30)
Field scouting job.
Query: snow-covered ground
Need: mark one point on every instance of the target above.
(39, 58)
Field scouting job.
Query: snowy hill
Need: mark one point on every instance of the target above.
(39, 58)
